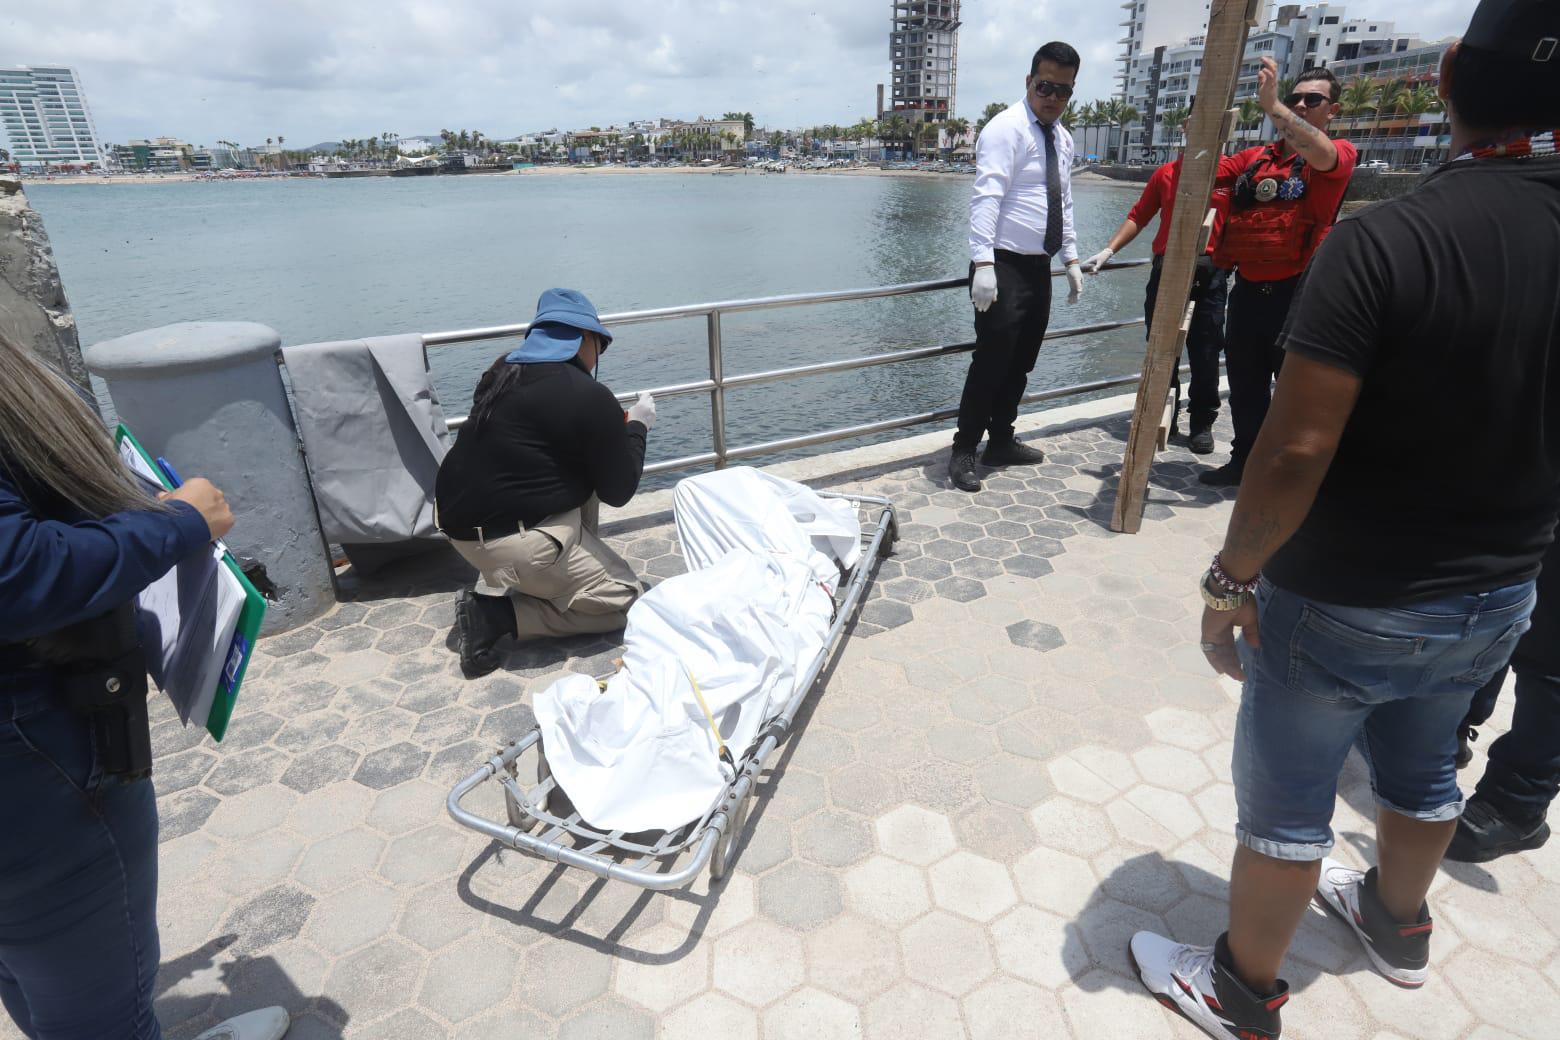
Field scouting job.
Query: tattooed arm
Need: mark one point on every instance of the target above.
(1313, 144)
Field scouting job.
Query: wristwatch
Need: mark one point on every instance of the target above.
(1219, 598)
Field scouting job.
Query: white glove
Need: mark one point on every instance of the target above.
(643, 410)
(1093, 264)
(1075, 282)
(983, 287)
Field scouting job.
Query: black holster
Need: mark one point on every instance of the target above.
(102, 673)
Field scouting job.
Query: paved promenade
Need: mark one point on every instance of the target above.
(1019, 759)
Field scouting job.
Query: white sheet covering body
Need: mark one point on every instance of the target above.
(745, 623)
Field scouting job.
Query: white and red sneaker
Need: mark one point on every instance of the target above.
(1401, 952)
(1195, 982)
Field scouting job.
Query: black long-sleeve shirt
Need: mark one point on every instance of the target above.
(552, 440)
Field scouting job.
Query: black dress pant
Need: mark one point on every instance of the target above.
(1252, 354)
(1007, 342)
(1204, 342)
(1523, 774)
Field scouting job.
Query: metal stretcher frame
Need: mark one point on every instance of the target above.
(647, 859)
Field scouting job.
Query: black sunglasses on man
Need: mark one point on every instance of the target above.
(1310, 99)
(1045, 88)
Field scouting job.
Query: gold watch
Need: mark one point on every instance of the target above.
(1218, 598)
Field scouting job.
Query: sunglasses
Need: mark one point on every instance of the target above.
(1311, 99)
(1045, 88)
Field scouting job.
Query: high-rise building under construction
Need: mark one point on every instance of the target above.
(924, 47)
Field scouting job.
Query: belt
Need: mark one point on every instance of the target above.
(484, 532)
(1008, 256)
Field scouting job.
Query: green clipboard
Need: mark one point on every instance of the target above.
(251, 614)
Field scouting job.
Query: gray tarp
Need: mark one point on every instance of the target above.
(375, 435)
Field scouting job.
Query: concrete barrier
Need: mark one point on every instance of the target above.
(209, 397)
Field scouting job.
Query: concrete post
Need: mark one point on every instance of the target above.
(209, 397)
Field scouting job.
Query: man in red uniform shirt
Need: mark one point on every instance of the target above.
(1285, 198)
(1205, 338)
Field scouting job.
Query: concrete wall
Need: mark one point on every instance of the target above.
(33, 309)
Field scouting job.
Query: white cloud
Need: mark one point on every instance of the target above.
(321, 69)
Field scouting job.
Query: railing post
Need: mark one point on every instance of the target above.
(718, 394)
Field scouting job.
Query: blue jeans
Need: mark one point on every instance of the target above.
(78, 882)
(1395, 681)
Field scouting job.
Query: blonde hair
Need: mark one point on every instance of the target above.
(52, 439)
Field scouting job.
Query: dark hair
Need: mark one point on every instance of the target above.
(494, 384)
(1334, 88)
(1492, 92)
(1057, 53)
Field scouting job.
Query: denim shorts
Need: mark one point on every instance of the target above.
(1395, 681)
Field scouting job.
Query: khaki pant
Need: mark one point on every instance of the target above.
(561, 578)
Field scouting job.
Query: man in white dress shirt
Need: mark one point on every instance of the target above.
(1021, 215)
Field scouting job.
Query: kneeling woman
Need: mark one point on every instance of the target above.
(518, 493)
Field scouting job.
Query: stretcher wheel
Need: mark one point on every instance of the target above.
(725, 857)
(515, 812)
(891, 536)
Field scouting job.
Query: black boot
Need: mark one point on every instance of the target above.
(480, 622)
(1227, 475)
(961, 470)
(1011, 452)
(1484, 833)
(1201, 440)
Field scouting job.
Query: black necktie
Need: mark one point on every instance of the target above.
(1053, 192)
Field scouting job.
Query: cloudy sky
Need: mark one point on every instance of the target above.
(315, 70)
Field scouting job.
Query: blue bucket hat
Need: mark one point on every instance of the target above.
(562, 317)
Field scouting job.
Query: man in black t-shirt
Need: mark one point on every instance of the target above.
(518, 493)
(1380, 560)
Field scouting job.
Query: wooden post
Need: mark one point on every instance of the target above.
(1206, 133)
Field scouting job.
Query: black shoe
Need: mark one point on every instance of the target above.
(1401, 952)
(1483, 834)
(1011, 452)
(1227, 475)
(1197, 982)
(1201, 441)
(480, 622)
(1465, 735)
(961, 470)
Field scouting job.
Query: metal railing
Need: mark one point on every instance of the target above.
(718, 383)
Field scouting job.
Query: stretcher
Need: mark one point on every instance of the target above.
(542, 822)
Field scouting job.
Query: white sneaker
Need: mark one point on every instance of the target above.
(1191, 981)
(266, 1024)
(1400, 952)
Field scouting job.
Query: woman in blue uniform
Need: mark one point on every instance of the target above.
(79, 538)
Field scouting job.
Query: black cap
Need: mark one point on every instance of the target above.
(1524, 30)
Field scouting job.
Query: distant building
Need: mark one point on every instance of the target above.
(162, 155)
(1400, 138)
(44, 114)
(923, 45)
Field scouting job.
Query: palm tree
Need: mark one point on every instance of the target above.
(1390, 95)
(1421, 99)
(991, 111)
(1069, 115)
(1175, 119)
(956, 128)
(776, 139)
(1356, 97)
(1251, 114)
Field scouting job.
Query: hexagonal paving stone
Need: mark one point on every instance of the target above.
(374, 978)
(339, 860)
(313, 730)
(353, 917)
(254, 812)
(864, 788)
(1012, 780)
(183, 770)
(468, 978)
(809, 1014)
(389, 766)
(1183, 729)
(312, 770)
(800, 895)
(1171, 768)
(1071, 826)
(887, 890)
(379, 729)
(330, 810)
(184, 812)
(1039, 947)
(972, 886)
(962, 742)
(712, 1015)
(1035, 635)
(909, 1010)
(1099, 1005)
(1006, 1009)
(406, 1024)
(1055, 881)
(448, 725)
(355, 667)
(712, 909)
(608, 1020)
(273, 916)
(852, 957)
(564, 976)
(946, 787)
(667, 967)
(946, 953)
(423, 855)
(758, 962)
(833, 839)
(915, 835)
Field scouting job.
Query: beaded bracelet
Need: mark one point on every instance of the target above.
(1227, 583)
